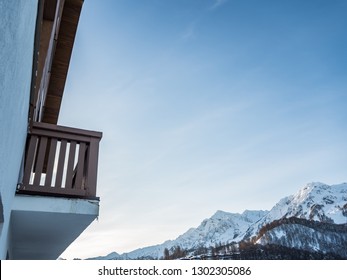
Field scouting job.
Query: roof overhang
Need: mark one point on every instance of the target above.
(61, 59)
(60, 56)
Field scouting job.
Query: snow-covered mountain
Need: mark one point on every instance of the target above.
(314, 202)
(302, 234)
(298, 216)
(313, 219)
(222, 227)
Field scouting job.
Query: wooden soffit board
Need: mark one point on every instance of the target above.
(61, 60)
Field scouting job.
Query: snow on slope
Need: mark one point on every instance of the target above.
(221, 227)
(111, 256)
(315, 201)
(307, 237)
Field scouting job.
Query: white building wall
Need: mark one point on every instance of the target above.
(17, 29)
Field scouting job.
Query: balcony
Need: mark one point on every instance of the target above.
(61, 161)
(56, 199)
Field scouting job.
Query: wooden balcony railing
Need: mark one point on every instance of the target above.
(61, 161)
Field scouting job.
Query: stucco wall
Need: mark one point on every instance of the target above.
(17, 28)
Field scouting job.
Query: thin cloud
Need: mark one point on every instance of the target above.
(218, 3)
(189, 32)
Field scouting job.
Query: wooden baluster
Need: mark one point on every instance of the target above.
(29, 161)
(92, 167)
(39, 161)
(61, 161)
(50, 162)
(80, 166)
(70, 165)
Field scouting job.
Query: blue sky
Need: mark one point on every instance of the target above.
(205, 105)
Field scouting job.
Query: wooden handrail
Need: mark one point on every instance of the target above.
(61, 161)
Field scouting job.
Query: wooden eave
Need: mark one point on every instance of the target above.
(61, 59)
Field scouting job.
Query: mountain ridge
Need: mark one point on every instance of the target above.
(315, 202)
